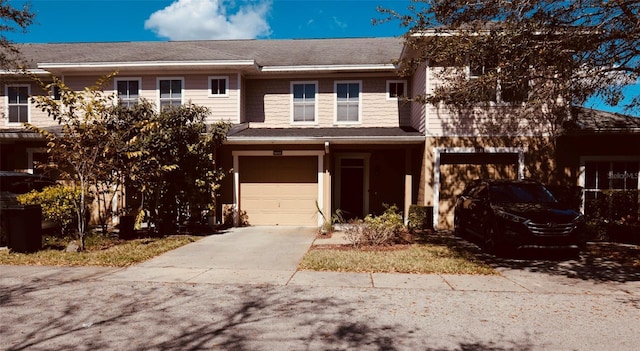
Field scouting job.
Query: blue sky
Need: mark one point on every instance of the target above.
(152, 20)
(149, 20)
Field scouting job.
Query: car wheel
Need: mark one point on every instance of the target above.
(492, 240)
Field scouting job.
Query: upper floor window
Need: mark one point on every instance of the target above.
(348, 101)
(170, 91)
(17, 103)
(481, 71)
(55, 92)
(128, 91)
(396, 89)
(514, 91)
(304, 101)
(492, 89)
(218, 86)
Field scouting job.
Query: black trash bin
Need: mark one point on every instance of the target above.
(127, 227)
(22, 225)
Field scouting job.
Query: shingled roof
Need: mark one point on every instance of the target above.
(244, 134)
(349, 51)
(596, 121)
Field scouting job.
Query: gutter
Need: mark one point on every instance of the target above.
(324, 68)
(17, 135)
(321, 140)
(14, 72)
(148, 64)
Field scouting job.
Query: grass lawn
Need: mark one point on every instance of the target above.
(100, 251)
(442, 253)
(429, 255)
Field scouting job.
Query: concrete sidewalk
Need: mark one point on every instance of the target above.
(508, 281)
(248, 256)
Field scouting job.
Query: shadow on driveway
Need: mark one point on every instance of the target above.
(600, 262)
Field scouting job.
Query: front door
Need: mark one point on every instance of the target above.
(352, 187)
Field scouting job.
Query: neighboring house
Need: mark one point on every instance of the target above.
(318, 124)
(603, 149)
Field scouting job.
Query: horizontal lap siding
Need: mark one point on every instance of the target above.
(36, 115)
(268, 103)
(222, 107)
(195, 90)
(493, 120)
(418, 111)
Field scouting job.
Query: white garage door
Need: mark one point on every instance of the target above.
(279, 190)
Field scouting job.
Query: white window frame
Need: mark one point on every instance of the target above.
(226, 86)
(471, 76)
(182, 89)
(315, 103)
(335, 95)
(27, 104)
(129, 79)
(55, 93)
(404, 88)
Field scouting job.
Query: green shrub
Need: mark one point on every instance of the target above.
(613, 205)
(420, 217)
(613, 216)
(58, 204)
(230, 213)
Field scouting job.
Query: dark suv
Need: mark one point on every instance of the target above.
(519, 214)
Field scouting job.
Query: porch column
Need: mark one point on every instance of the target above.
(408, 184)
(236, 189)
(328, 186)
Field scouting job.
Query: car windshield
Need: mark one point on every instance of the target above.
(520, 193)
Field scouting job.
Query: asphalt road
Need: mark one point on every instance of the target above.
(94, 313)
(242, 291)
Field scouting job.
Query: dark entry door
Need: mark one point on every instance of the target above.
(352, 187)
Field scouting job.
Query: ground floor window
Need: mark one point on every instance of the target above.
(611, 188)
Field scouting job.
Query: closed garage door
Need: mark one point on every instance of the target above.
(279, 190)
(457, 170)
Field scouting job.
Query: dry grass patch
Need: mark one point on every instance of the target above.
(100, 251)
(414, 258)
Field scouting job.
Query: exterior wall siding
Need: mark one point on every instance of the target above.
(36, 115)
(418, 87)
(492, 119)
(195, 90)
(268, 104)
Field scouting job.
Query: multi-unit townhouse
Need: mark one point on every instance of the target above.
(319, 124)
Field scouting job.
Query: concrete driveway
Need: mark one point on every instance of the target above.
(241, 255)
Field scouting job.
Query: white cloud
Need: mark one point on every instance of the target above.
(339, 23)
(208, 19)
